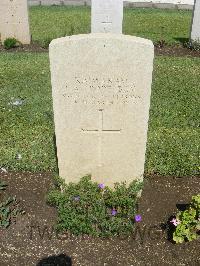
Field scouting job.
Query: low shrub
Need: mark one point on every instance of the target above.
(10, 43)
(9, 209)
(187, 223)
(94, 209)
(193, 45)
(161, 43)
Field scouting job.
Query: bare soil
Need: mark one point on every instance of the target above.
(32, 241)
(175, 50)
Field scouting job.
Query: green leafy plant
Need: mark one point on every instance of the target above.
(9, 209)
(187, 223)
(161, 43)
(193, 45)
(2, 185)
(94, 209)
(10, 43)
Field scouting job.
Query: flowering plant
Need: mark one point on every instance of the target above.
(94, 209)
(187, 223)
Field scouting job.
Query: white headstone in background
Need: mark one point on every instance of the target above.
(195, 32)
(101, 87)
(107, 16)
(14, 21)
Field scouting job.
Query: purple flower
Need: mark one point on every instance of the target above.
(113, 212)
(175, 221)
(101, 186)
(76, 198)
(138, 218)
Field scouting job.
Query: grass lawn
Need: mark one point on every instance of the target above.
(174, 132)
(48, 23)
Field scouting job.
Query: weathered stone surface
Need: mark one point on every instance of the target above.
(195, 32)
(14, 21)
(101, 87)
(107, 16)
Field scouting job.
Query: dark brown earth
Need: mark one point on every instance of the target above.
(33, 47)
(25, 244)
(176, 50)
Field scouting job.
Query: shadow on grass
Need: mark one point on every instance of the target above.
(59, 260)
(182, 40)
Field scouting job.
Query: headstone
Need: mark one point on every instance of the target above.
(101, 87)
(195, 32)
(107, 16)
(14, 20)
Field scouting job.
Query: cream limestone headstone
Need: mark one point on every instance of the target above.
(101, 86)
(14, 21)
(107, 16)
(195, 32)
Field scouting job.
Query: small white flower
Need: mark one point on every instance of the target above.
(3, 170)
(18, 156)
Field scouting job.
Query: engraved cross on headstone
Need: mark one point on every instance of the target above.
(107, 16)
(105, 22)
(100, 131)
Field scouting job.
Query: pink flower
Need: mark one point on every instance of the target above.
(175, 221)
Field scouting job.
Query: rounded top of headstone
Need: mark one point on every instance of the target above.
(104, 36)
